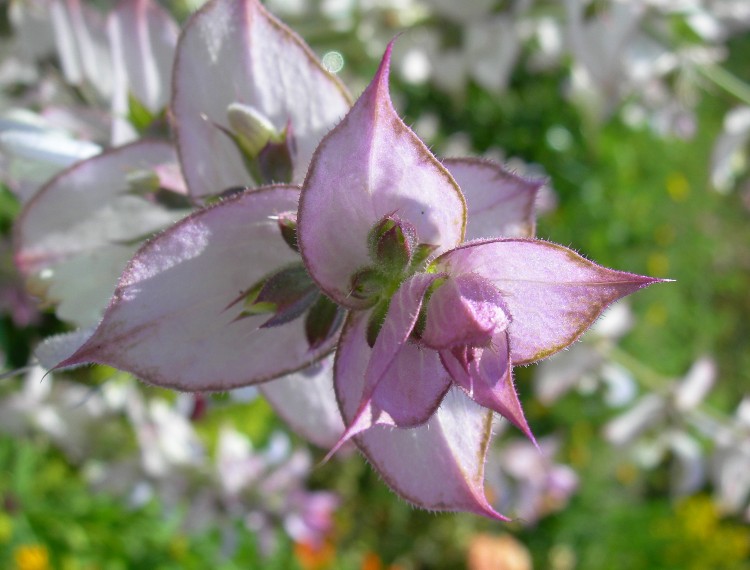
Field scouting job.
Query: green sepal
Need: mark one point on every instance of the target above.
(420, 256)
(288, 227)
(376, 320)
(287, 294)
(368, 283)
(322, 321)
(419, 326)
(275, 162)
(138, 114)
(393, 250)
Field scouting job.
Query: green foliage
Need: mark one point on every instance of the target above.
(633, 200)
(46, 503)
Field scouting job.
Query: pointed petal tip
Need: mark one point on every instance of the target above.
(485, 509)
(357, 426)
(382, 75)
(72, 361)
(493, 514)
(523, 425)
(643, 281)
(345, 437)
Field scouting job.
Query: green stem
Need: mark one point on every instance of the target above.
(643, 374)
(657, 382)
(727, 81)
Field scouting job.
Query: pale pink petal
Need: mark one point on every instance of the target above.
(85, 222)
(437, 466)
(306, 402)
(234, 51)
(172, 320)
(170, 178)
(553, 294)
(499, 203)
(399, 322)
(412, 388)
(488, 379)
(57, 348)
(464, 310)
(404, 383)
(143, 37)
(370, 166)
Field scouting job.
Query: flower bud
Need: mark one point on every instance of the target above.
(251, 129)
(367, 283)
(141, 182)
(288, 227)
(275, 163)
(392, 242)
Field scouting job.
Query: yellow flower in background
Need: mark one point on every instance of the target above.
(31, 557)
(6, 528)
(697, 536)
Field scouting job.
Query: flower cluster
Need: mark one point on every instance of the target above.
(313, 225)
(260, 487)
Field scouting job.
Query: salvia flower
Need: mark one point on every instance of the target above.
(422, 326)
(255, 286)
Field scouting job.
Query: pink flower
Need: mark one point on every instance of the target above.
(381, 225)
(223, 299)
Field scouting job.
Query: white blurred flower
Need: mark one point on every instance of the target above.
(166, 438)
(729, 156)
(730, 463)
(527, 481)
(585, 365)
(666, 425)
(66, 413)
(32, 151)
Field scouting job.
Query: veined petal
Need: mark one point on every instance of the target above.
(404, 383)
(84, 222)
(553, 294)
(486, 375)
(81, 41)
(465, 309)
(371, 166)
(437, 466)
(234, 51)
(143, 37)
(41, 147)
(399, 322)
(498, 202)
(31, 157)
(412, 388)
(306, 402)
(173, 320)
(57, 348)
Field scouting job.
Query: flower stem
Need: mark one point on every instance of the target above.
(647, 377)
(727, 81)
